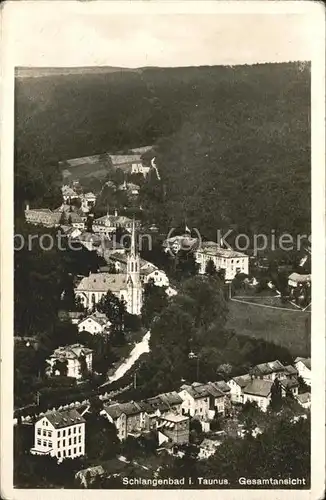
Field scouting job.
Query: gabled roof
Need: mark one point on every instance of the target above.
(258, 387)
(71, 352)
(196, 390)
(102, 282)
(268, 368)
(172, 398)
(222, 386)
(304, 397)
(290, 370)
(288, 383)
(305, 361)
(214, 249)
(243, 380)
(117, 409)
(60, 419)
(100, 320)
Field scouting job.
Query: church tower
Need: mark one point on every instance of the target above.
(134, 285)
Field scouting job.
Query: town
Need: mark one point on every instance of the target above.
(93, 395)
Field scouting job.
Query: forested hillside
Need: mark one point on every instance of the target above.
(233, 143)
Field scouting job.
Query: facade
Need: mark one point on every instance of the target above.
(42, 216)
(108, 224)
(139, 168)
(207, 448)
(196, 403)
(258, 391)
(270, 371)
(60, 434)
(304, 399)
(303, 366)
(289, 384)
(127, 287)
(237, 384)
(175, 428)
(72, 358)
(127, 417)
(68, 194)
(233, 262)
(94, 324)
(159, 277)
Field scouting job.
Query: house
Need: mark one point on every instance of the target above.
(218, 399)
(223, 258)
(165, 403)
(304, 399)
(60, 434)
(237, 384)
(173, 428)
(127, 417)
(196, 400)
(42, 216)
(70, 360)
(296, 280)
(158, 277)
(76, 220)
(140, 168)
(108, 224)
(88, 200)
(303, 365)
(72, 316)
(95, 324)
(269, 371)
(126, 162)
(258, 391)
(289, 384)
(68, 194)
(207, 448)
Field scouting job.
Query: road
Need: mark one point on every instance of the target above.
(138, 350)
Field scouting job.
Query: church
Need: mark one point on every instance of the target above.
(126, 286)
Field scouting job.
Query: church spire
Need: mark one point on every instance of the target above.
(133, 238)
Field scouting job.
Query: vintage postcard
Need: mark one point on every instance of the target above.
(162, 296)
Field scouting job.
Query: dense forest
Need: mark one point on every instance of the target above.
(233, 143)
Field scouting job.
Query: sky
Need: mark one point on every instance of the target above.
(95, 34)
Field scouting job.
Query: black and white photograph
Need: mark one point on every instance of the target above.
(164, 188)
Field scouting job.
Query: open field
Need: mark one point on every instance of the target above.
(286, 328)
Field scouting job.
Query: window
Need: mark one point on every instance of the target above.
(75, 440)
(64, 453)
(64, 432)
(39, 441)
(59, 444)
(49, 433)
(38, 432)
(80, 449)
(59, 454)
(69, 431)
(64, 443)
(50, 444)
(44, 443)
(69, 452)
(44, 432)
(58, 434)
(79, 439)
(75, 451)
(75, 430)
(69, 442)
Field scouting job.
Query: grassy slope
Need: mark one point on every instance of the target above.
(285, 328)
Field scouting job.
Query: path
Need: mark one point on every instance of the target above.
(138, 350)
(264, 305)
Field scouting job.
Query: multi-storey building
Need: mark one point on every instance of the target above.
(71, 361)
(223, 258)
(60, 434)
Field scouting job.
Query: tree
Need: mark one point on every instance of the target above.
(210, 268)
(276, 395)
(115, 310)
(185, 265)
(102, 441)
(154, 301)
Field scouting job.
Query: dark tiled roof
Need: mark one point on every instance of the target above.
(258, 387)
(222, 386)
(291, 370)
(66, 418)
(288, 383)
(117, 409)
(243, 380)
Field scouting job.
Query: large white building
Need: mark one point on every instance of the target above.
(127, 287)
(60, 434)
(223, 258)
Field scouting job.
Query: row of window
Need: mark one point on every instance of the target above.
(45, 443)
(67, 453)
(69, 441)
(70, 431)
(45, 432)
